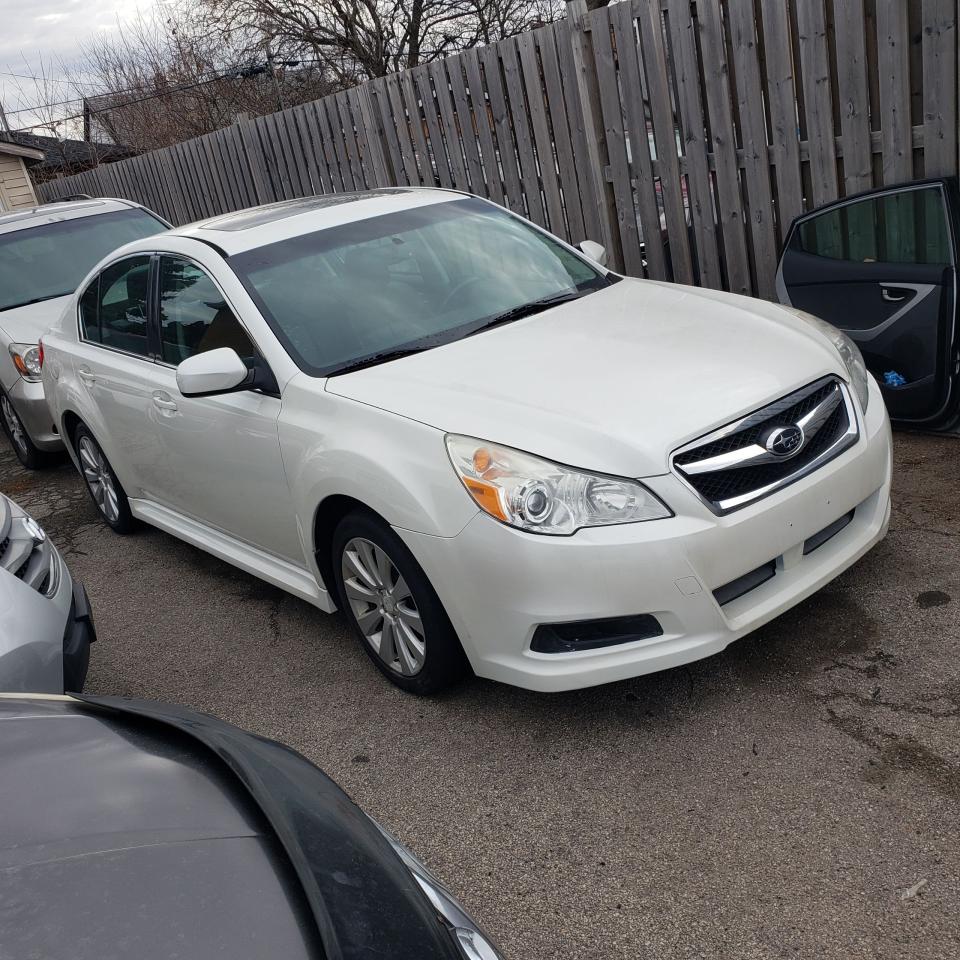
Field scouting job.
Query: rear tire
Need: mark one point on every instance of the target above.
(16, 432)
(392, 608)
(102, 484)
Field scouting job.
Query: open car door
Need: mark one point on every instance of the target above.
(881, 266)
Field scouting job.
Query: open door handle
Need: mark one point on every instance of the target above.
(891, 297)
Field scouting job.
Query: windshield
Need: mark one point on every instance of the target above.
(50, 260)
(372, 289)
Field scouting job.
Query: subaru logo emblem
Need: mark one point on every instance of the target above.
(784, 441)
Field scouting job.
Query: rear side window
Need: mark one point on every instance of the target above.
(113, 309)
(908, 226)
(194, 317)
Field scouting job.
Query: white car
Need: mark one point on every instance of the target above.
(488, 450)
(46, 626)
(44, 253)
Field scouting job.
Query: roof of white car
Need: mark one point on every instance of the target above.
(258, 226)
(55, 212)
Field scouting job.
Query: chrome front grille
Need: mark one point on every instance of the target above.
(27, 554)
(752, 457)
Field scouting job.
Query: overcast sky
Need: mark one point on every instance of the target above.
(50, 31)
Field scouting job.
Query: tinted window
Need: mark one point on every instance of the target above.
(113, 309)
(89, 311)
(427, 275)
(905, 227)
(40, 263)
(194, 317)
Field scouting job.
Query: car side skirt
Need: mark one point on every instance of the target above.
(281, 573)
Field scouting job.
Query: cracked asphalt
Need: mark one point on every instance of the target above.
(795, 796)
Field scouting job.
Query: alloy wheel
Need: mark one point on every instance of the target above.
(10, 418)
(99, 479)
(383, 606)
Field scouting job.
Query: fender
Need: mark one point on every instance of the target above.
(396, 466)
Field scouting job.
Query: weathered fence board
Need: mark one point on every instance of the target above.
(894, 76)
(730, 212)
(753, 136)
(684, 135)
(853, 95)
(939, 87)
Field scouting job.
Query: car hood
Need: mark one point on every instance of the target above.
(27, 324)
(611, 382)
(123, 779)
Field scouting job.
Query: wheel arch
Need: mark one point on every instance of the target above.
(330, 511)
(69, 421)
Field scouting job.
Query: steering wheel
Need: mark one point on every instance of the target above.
(458, 289)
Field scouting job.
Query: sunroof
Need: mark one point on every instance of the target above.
(257, 216)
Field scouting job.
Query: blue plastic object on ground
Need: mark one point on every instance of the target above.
(893, 379)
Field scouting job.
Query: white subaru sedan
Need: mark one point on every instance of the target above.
(490, 452)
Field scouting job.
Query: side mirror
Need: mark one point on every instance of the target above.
(216, 371)
(594, 251)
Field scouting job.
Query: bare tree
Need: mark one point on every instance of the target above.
(370, 38)
(173, 74)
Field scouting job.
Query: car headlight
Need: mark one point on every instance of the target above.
(474, 944)
(540, 496)
(26, 358)
(849, 354)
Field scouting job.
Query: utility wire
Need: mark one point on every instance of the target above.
(238, 72)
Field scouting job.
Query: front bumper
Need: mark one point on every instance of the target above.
(80, 632)
(29, 401)
(498, 584)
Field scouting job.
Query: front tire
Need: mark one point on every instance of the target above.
(16, 432)
(102, 484)
(392, 608)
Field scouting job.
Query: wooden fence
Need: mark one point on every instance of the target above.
(684, 136)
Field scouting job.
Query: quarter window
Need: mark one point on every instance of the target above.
(113, 309)
(194, 317)
(908, 226)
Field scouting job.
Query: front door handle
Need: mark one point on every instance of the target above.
(891, 297)
(164, 401)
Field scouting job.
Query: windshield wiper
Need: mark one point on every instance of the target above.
(27, 303)
(436, 340)
(525, 310)
(383, 357)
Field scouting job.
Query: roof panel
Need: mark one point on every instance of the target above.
(270, 213)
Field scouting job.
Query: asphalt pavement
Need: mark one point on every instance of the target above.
(795, 796)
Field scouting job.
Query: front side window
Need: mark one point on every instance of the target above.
(194, 317)
(907, 226)
(360, 292)
(48, 261)
(113, 309)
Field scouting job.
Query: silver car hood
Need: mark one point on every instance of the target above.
(28, 323)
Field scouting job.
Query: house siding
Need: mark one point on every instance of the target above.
(16, 188)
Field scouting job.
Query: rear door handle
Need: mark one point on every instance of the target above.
(891, 297)
(164, 401)
(85, 375)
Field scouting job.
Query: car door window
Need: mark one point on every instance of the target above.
(194, 316)
(113, 309)
(909, 226)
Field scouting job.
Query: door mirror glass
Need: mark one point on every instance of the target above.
(904, 226)
(595, 251)
(214, 371)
